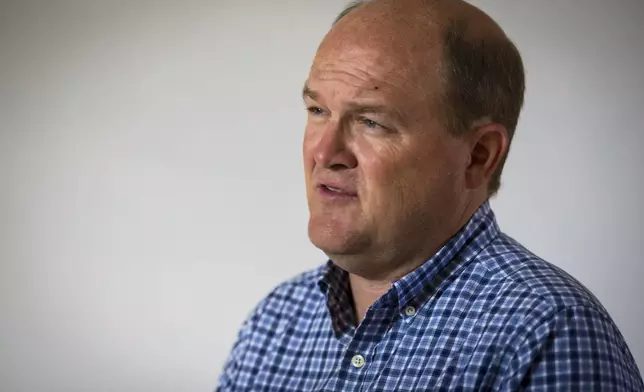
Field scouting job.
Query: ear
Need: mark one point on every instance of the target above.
(488, 145)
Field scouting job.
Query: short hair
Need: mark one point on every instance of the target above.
(483, 77)
(353, 5)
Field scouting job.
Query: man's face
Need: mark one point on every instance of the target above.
(382, 175)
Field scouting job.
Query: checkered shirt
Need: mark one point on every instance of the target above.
(482, 314)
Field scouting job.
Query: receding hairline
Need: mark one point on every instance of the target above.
(444, 13)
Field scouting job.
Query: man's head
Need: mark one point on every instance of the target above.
(412, 105)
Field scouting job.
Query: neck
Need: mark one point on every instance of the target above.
(367, 291)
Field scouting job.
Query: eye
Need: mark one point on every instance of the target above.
(370, 123)
(316, 111)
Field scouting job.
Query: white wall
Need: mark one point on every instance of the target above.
(151, 187)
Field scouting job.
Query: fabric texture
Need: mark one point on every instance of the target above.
(483, 313)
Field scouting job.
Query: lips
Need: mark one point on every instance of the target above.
(331, 189)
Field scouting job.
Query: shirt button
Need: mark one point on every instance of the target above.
(410, 311)
(358, 361)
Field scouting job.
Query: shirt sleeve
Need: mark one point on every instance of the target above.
(579, 349)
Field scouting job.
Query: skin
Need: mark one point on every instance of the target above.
(404, 184)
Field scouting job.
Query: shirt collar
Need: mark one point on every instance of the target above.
(417, 286)
(335, 285)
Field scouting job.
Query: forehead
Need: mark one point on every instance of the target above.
(374, 53)
(362, 68)
(358, 73)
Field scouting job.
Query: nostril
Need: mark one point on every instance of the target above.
(338, 166)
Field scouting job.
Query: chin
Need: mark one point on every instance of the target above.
(357, 264)
(329, 243)
(346, 249)
(333, 241)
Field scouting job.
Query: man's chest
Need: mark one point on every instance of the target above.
(396, 355)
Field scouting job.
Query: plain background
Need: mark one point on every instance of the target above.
(151, 187)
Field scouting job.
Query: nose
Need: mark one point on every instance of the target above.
(332, 149)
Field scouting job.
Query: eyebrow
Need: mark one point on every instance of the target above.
(375, 109)
(307, 92)
(357, 108)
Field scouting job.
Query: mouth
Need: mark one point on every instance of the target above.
(336, 192)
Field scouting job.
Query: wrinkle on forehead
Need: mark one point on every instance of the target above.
(384, 45)
(362, 68)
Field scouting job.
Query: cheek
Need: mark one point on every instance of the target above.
(307, 151)
(407, 179)
(383, 171)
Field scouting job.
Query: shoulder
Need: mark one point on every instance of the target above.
(557, 327)
(511, 287)
(290, 297)
(295, 298)
(516, 269)
(521, 295)
(298, 288)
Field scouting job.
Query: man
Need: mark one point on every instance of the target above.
(412, 105)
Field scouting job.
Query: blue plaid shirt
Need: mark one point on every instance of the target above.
(482, 314)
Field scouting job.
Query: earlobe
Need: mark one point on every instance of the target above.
(489, 145)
